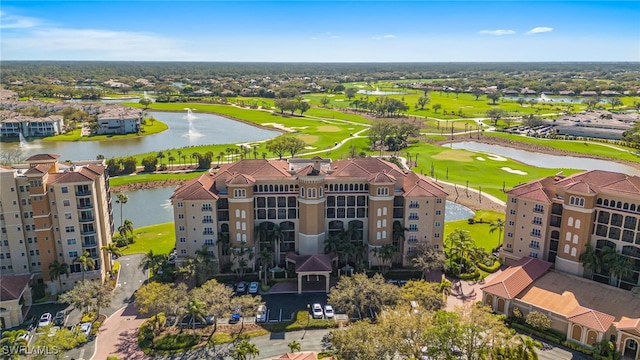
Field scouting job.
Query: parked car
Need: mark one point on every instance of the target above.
(328, 311)
(234, 319)
(85, 328)
(188, 321)
(253, 287)
(241, 288)
(261, 314)
(26, 337)
(59, 319)
(316, 311)
(171, 320)
(45, 320)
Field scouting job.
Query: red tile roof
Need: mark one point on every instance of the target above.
(516, 278)
(605, 181)
(627, 324)
(311, 263)
(416, 185)
(381, 178)
(538, 190)
(42, 157)
(200, 188)
(11, 287)
(38, 169)
(591, 318)
(240, 179)
(305, 355)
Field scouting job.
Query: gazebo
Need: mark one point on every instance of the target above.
(317, 264)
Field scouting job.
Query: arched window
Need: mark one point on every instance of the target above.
(244, 238)
(384, 234)
(384, 211)
(606, 202)
(320, 191)
(619, 205)
(302, 191)
(625, 206)
(341, 187)
(568, 236)
(570, 221)
(566, 249)
(238, 237)
(575, 238)
(378, 224)
(237, 225)
(378, 235)
(384, 222)
(237, 213)
(379, 212)
(577, 223)
(350, 187)
(599, 201)
(581, 201)
(573, 251)
(632, 207)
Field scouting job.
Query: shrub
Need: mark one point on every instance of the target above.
(175, 342)
(112, 358)
(88, 316)
(538, 320)
(490, 269)
(469, 276)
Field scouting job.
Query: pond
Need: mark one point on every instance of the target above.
(144, 207)
(546, 161)
(152, 206)
(184, 130)
(455, 212)
(378, 92)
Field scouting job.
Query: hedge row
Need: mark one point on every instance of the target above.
(490, 269)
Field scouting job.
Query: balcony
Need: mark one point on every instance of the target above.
(534, 246)
(89, 243)
(414, 218)
(414, 206)
(85, 205)
(207, 233)
(83, 192)
(537, 235)
(87, 232)
(207, 221)
(206, 208)
(87, 219)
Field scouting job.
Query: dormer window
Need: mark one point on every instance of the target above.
(576, 201)
(382, 191)
(239, 193)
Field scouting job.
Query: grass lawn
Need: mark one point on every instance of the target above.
(160, 238)
(147, 177)
(478, 232)
(149, 129)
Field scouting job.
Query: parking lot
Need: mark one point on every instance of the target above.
(281, 307)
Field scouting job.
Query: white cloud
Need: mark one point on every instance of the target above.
(497, 32)
(386, 36)
(539, 29)
(8, 21)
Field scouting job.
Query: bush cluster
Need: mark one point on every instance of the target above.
(490, 269)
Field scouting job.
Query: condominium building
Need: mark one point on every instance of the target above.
(119, 120)
(305, 201)
(554, 219)
(54, 211)
(28, 126)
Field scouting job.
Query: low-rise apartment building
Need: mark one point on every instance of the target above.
(119, 120)
(555, 218)
(29, 126)
(52, 211)
(305, 202)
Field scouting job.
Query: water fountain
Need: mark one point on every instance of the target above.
(192, 133)
(23, 141)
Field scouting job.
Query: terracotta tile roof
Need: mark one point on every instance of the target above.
(538, 190)
(305, 355)
(311, 263)
(38, 169)
(516, 278)
(591, 318)
(258, 168)
(381, 178)
(580, 187)
(369, 165)
(240, 179)
(628, 324)
(309, 170)
(11, 287)
(43, 157)
(200, 188)
(416, 185)
(606, 181)
(544, 299)
(70, 177)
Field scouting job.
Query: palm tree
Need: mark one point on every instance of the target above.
(245, 350)
(160, 156)
(224, 245)
(398, 232)
(149, 261)
(591, 261)
(128, 226)
(332, 244)
(56, 269)
(620, 268)
(195, 308)
(526, 347)
(14, 342)
(427, 259)
(498, 224)
(276, 236)
(122, 199)
(171, 160)
(384, 254)
(460, 243)
(86, 262)
(294, 346)
(180, 155)
(266, 259)
(113, 250)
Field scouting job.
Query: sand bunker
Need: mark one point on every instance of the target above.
(328, 128)
(480, 158)
(513, 171)
(495, 157)
(280, 127)
(310, 147)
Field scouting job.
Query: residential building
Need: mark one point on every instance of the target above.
(29, 126)
(54, 211)
(307, 201)
(586, 312)
(15, 292)
(555, 218)
(119, 120)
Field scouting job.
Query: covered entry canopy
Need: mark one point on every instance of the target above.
(317, 264)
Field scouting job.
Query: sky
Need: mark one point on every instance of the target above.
(321, 31)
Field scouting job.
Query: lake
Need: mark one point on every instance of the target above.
(202, 129)
(546, 161)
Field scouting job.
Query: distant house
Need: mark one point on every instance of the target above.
(589, 93)
(28, 126)
(510, 92)
(8, 95)
(119, 120)
(566, 93)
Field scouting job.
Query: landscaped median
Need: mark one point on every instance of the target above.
(175, 339)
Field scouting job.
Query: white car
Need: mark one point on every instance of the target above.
(253, 287)
(316, 311)
(261, 314)
(86, 329)
(328, 311)
(45, 320)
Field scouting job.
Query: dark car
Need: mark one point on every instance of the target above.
(188, 321)
(60, 318)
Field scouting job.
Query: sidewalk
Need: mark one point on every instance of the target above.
(118, 336)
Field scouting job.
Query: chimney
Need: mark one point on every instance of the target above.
(316, 164)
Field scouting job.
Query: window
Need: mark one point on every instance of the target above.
(243, 214)
(180, 204)
(183, 240)
(183, 251)
(512, 223)
(379, 224)
(69, 229)
(237, 225)
(73, 254)
(577, 224)
(208, 242)
(384, 211)
(67, 216)
(537, 220)
(66, 202)
(512, 212)
(383, 191)
(384, 234)
(181, 216)
(71, 242)
(64, 190)
(438, 212)
(207, 219)
(436, 235)
(438, 201)
(534, 244)
(237, 213)
(566, 249)
(510, 235)
(533, 255)
(413, 216)
(573, 251)
(570, 221)
(538, 208)
(413, 227)
(509, 246)
(437, 224)
(181, 228)
(535, 232)
(514, 200)
(414, 204)
(568, 236)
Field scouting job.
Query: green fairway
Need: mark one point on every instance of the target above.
(147, 177)
(478, 232)
(160, 238)
(75, 135)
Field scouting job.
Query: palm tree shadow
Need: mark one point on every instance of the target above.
(128, 344)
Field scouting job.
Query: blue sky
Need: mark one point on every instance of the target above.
(320, 31)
